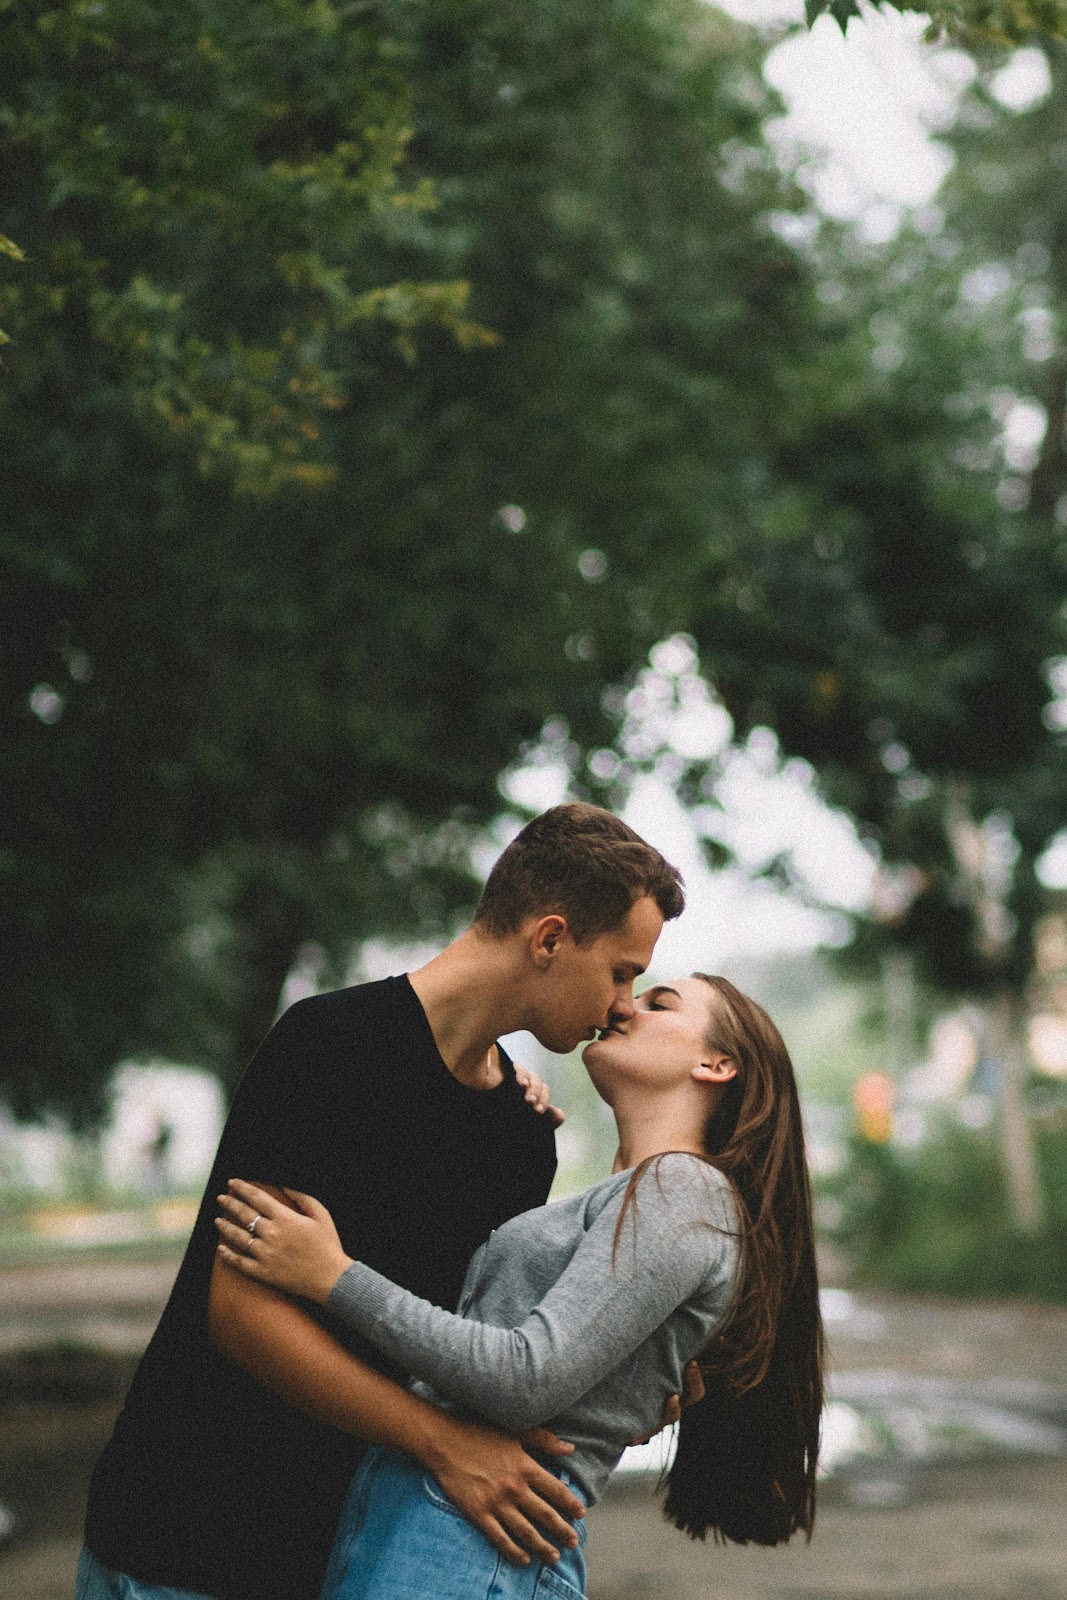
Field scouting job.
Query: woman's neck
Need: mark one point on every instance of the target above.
(651, 1127)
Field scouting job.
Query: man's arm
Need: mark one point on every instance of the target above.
(499, 1488)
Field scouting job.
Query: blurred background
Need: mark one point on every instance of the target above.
(413, 416)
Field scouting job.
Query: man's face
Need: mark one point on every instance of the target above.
(585, 986)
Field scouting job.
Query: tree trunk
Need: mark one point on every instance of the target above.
(1008, 1018)
(1049, 479)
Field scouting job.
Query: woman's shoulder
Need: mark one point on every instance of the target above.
(688, 1182)
(676, 1182)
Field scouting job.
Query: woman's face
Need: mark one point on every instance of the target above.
(661, 1044)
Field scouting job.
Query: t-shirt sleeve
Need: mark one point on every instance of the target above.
(285, 1108)
(678, 1240)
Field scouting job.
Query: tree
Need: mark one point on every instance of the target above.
(975, 23)
(910, 658)
(288, 601)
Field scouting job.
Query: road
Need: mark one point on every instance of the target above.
(989, 1526)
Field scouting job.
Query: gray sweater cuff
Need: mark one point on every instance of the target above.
(361, 1297)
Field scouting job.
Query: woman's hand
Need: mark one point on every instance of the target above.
(537, 1093)
(295, 1250)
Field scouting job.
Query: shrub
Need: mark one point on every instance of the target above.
(936, 1219)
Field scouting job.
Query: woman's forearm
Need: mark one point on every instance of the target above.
(603, 1306)
(501, 1373)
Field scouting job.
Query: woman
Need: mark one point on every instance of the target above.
(582, 1314)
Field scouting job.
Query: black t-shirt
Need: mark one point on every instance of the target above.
(210, 1482)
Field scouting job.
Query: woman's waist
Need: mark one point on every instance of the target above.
(597, 1446)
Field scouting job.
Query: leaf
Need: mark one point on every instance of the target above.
(841, 11)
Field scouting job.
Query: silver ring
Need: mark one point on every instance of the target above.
(252, 1224)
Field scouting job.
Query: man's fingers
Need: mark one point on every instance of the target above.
(556, 1527)
(501, 1541)
(549, 1444)
(558, 1116)
(692, 1385)
(671, 1411)
(548, 1487)
(523, 1532)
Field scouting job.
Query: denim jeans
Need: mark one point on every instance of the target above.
(401, 1538)
(97, 1582)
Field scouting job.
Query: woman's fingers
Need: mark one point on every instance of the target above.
(308, 1204)
(250, 1194)
(253, 1224)
(238, 1238)
(242, 1263)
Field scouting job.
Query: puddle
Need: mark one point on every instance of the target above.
(880, 1426)
(877, 1420)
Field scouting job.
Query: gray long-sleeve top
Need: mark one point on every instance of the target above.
(551, 1331)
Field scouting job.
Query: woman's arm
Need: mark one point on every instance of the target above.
(592, 1318)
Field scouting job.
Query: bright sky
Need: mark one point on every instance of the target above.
(868, 106)
(758, 806)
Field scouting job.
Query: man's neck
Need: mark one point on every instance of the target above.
(467, 995)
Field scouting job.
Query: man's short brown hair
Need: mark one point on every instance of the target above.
(583, 863)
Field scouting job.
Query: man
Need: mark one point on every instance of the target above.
(394, 1105)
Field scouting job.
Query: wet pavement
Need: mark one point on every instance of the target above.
(946, 1435)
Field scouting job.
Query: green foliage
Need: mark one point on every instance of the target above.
(289, 601)
(384, 382)
(10, 249)
(935, 1221)
(193, 185)
(977, 23)
(904, 647)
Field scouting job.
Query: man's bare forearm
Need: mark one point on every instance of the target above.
(290, 1354)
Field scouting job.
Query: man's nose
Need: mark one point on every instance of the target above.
(622, 1007)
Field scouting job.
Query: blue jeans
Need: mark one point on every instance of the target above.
(97, 1582)
(401, 1538)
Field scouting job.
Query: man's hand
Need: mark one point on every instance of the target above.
(538, 1094)
(692, 1391)
(505, 1493)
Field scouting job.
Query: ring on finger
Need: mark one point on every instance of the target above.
(252, 1225)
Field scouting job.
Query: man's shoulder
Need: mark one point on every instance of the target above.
(355, 1006)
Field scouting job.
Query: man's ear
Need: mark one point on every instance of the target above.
(545, 938)
(720, 1069)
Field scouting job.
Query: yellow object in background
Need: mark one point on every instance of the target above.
(872, 1101)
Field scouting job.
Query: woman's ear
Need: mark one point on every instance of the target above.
(720, 1069)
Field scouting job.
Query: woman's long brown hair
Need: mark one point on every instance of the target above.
(745, 1463)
